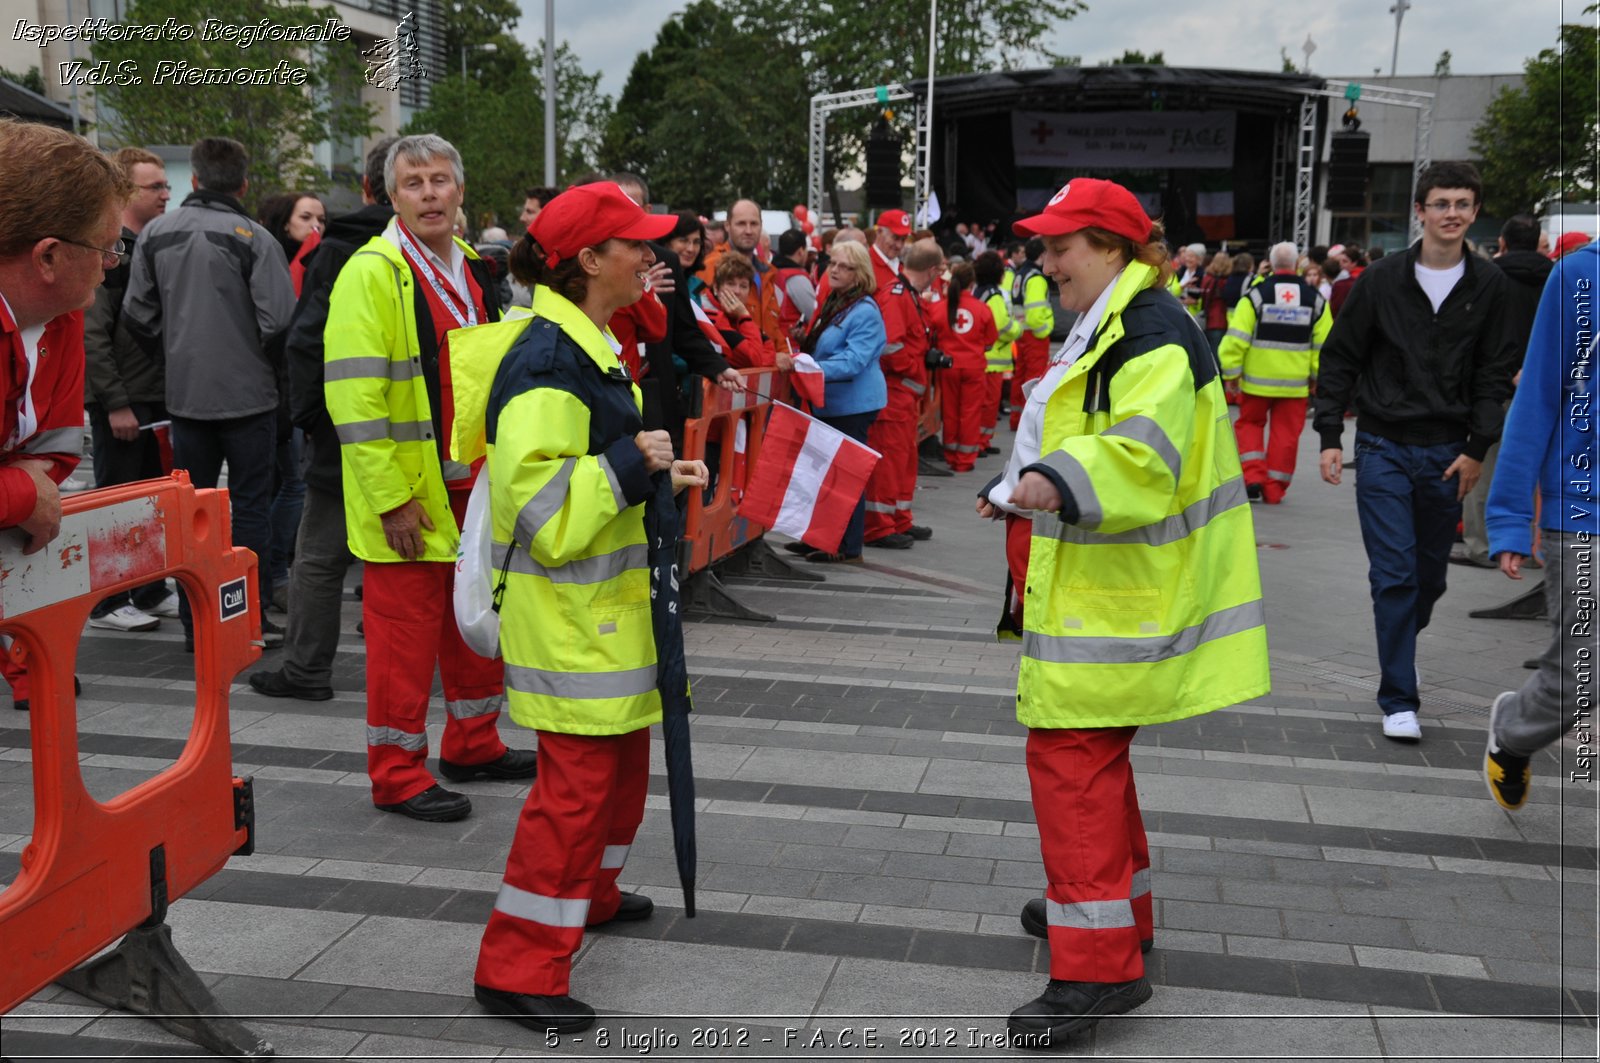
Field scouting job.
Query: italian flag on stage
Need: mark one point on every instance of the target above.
(807, 480)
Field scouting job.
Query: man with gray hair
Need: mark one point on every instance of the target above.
(210, 286)
(387, 381)
(1270, 354)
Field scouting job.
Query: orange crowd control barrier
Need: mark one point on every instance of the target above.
(95, 871)
(717, 540)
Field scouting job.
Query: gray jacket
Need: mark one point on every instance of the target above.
(212, 286)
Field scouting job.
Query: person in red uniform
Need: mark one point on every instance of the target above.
(966, 332)
(894, 433)
(725, 308)
(60, 222)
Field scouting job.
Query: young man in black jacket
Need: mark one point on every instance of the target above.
(322, 556)
(1422, 350)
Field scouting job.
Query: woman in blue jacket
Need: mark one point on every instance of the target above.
(846, 338)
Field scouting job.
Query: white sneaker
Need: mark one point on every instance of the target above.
(1402, 725)
(125, 618)
(167, 606)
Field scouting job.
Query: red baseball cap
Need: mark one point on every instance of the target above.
(1086, 201)
(588, 215)
(1569, 242)
(896, 221)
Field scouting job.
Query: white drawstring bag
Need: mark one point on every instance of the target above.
(477, 592)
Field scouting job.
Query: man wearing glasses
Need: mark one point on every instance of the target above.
(1423, 350)
(59, 221)
(212, 286)
(125, 387)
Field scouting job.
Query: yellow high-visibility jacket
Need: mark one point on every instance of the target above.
(1274, 339)
(377, 395)
(1143, 599)
(1000, 358)
(549, 402)
(1030, 301)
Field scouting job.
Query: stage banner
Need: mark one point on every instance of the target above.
(1109, 140)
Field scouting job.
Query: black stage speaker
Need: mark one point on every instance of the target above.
(1347, 171)
(883, 168)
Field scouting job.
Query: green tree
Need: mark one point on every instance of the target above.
(279, 124)
(1130, 57)
(1441, 66)
(33, 81)
(1541, 143)
(496, 121)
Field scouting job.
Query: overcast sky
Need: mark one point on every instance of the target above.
(1352, 36)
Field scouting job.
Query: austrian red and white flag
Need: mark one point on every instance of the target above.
(807, 380)
(807, 480)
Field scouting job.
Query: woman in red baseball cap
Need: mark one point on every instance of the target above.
(570, 468)
(1133, 584)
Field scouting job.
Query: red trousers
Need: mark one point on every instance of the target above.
(1019, 540)
(1033, 359)
(962, 392)
(994, 387)
(1095, 853)
(894, 479)
(410, 626)
(1268, 455)
(572, 839)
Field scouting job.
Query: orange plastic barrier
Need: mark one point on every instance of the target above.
(734, 422)
(93, 870)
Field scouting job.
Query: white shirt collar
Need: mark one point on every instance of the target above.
(454, 272)
(892, 263)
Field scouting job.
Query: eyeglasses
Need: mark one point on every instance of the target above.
(159, 186)
(1442, 206)
(113, 255)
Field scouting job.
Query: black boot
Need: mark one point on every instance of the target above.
(560, 1014)
(1066, 1008)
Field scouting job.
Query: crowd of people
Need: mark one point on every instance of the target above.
(358, 375)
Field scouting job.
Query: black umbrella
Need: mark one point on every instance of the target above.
(661, 523)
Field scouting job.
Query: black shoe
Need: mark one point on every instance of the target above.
(433, 805)
(274, 685)
(1035, 922)
(1506, 774)
(1252, 492)
(512, 764)
(20, 704)
(1066, 1008)
(271, 634)
(823, 557)
(991, 450)
(554, 1014)
(892, 541)
(634, 907)
(1531, 664)
(188, 644)
(798, 547)
(920, 532)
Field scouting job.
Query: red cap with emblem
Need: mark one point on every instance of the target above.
(896, 221)
(592, 214)
(1088, 201)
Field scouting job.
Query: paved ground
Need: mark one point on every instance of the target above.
(866, 841)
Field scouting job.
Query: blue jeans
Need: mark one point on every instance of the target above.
(284, 515)
(249, 446)
(855, 426)
(1408, 518)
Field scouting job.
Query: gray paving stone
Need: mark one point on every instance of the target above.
(390, 1011)
(894, 839)
(667, 978)
(1221, 918)
(1279, 895)
(1276, 948)
(872, 889)
(876, 987)
(941, 868)
(829, 858)
(1217, 1025)
(250, 939)
(1454, 937)
(1425, 962)
(1022, 850)
(1415, 1033)
(963, 897)
(421, 956)
(1350, 929)
(404, 1049)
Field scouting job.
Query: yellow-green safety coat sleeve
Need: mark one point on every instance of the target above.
(1038, 318)
(1010, 329)
(1319, 336)
(1236, 341)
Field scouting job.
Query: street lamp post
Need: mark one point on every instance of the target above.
(1399, 12)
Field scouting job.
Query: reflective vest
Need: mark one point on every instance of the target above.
(1147, 607)
(555, 411)
(999, 358)
(1030, 300)
(377, 395)
(1275, 336)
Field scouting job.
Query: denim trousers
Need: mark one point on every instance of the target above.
(1408, 514)
(854, 425)
(249, 446)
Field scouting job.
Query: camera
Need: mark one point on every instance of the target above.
(937, 359)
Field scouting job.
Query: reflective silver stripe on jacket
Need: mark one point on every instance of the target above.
(1145, 649)
(1036, 304)
(471, 708)
(1269, 382)
(55, 441)
(383, 428)
(454, 470)
(545, 503)
(1141, 884)
(1152, 435)
(1252, 455)
(1281, 477)
(581, 686)
(614, 856)
(586, 570)
(1077, 478)
(371, 367)
(1280, 345)
(912, 386)
(880, 507)
(538, 908)
(1228, 495)
(1090, 915)
(1238, 334)
(616, 484)
(393, 736)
